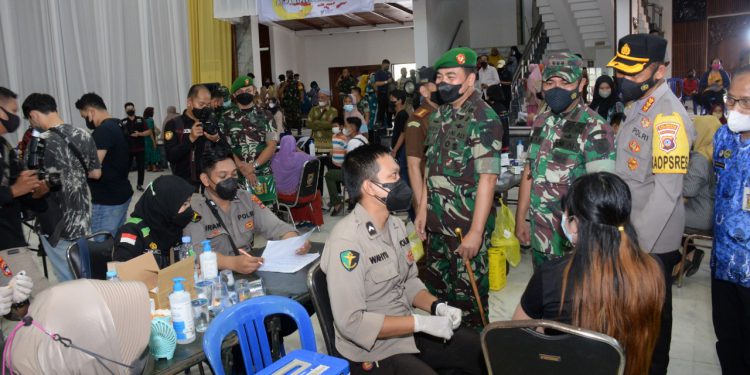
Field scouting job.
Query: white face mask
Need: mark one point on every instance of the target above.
(738, 122)
(271, 105)
(322, 103)
(564, 225)
(336, 130)
(347, 132)
(605, 93)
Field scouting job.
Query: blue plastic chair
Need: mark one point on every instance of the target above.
(246, 320)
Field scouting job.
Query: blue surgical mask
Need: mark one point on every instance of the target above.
(564, 225)
(348, 107)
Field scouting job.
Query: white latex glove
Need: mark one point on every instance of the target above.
(451, 312)
(438, 326)
(22, 286)
(6, 299)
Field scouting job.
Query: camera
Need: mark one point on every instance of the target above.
(36, 161)
(210, 127)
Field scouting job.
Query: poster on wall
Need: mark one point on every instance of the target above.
(285, 10)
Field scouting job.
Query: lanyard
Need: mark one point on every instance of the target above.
(215, 212)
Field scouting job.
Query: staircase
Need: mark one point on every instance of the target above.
(532, 53)
(573, 25)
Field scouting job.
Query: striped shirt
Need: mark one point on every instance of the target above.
(339, 149)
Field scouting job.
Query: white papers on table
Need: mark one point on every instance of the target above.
(281, 256)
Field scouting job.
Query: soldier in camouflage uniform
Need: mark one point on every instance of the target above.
(345, 83)
(567, 141)
(291, 101)
(463, 162)
(252, 136)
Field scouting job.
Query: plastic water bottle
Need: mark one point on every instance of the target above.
(519, 149)
(312, 147)
(112, 276)
(182, 312)
(186, 249)
(209, 268)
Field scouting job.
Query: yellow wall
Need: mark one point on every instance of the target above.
(210, 44)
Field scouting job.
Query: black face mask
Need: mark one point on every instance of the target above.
(436, 99)
(483, 64)
(449, 93)
(12, 123)
(131, 113)
(227, 189)
(182, 219)
(633, 90)
(90, 124)
(202, 114)
(244, 98)
(399, 195)
(559, 99)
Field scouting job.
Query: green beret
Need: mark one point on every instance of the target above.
(461, 57)
(564, 65)
(240, 82)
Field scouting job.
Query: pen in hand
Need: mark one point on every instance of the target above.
(243, 252)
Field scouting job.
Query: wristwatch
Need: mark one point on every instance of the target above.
(434, 306)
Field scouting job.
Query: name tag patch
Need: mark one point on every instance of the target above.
(379, 258)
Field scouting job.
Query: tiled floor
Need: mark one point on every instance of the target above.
(693, 338)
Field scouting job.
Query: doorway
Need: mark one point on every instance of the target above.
(354, 71)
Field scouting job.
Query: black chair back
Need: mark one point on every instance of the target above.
(100, 253)
(516, 347)
(316, 282)
(308, 183)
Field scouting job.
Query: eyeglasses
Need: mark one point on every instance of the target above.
(743, 102)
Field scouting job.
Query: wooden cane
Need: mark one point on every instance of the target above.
(472, 280)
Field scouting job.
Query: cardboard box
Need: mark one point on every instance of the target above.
(159, 282)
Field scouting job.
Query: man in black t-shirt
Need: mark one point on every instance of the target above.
(136, 129)
(397, 101)
(383, 78)
(110, 194)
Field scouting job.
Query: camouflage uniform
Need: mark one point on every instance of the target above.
(345, 86)
(563, 147)
(247, 132)
(463, 144)
(292, 104)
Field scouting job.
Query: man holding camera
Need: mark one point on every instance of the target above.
(252, 136)
(66, 159)
(16, 185)
(185, 136)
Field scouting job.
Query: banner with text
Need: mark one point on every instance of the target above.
(285, 10)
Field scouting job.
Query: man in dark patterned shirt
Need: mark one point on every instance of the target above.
(69, 159)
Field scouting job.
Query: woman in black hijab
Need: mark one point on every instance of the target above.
(157, 221)
(605, 100)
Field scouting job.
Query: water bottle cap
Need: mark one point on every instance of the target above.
(178, 287)
(206, 245)
(185, 239)
(111, 274)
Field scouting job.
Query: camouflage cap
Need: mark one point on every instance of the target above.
(564, 65)
(462, 57)
(240, 82)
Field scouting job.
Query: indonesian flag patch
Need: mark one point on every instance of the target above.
(128, 238)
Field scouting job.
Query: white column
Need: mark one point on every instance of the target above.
(255, 37)
(421, 53)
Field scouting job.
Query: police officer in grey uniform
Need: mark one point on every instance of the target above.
(231, 217)
(653, 147)
(373, 285)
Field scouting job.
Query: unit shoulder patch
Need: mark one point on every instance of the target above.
(349, 259)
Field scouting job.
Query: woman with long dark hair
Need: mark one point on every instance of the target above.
(153, 155)
(605, 102)
(607, 283)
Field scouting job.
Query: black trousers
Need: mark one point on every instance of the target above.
(731, 315)
(383, 117)
(462, 354)
(660, 360)
(140, 164)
